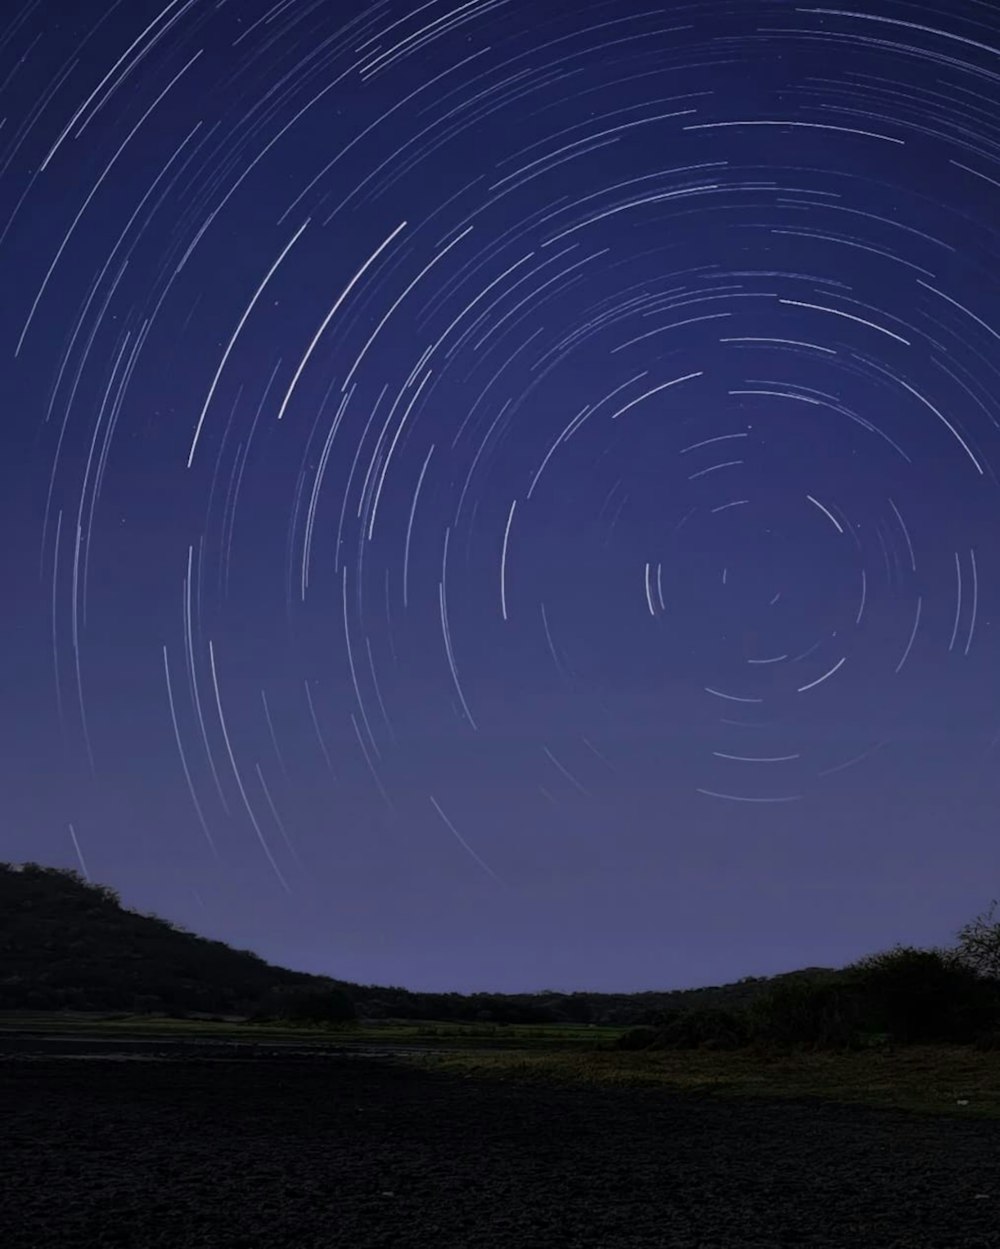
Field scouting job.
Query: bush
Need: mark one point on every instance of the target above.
(309, 1006)
(704, 1027)
(635, 1039)
(979, 944)
(926, 996)
(654, 1017)
(326, 1006)
(803, 1014)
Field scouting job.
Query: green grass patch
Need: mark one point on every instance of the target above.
(548, 1036)
(924, 1079)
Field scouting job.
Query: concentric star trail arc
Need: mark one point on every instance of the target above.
(582, 420)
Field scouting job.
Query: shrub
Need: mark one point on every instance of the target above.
(635, 1039)
(979, 944)
(309, 1006)
(803, 1014)
(654, 1017)
(704, 1026)
(926, 996)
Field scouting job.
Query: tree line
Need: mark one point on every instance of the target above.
(67, 944)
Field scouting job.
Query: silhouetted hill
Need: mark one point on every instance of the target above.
(66, 944)
(69, 945)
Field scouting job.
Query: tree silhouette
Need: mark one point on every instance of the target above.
(979, 944)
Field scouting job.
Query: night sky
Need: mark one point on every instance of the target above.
(503, 495)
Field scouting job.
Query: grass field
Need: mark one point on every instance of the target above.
(383, 1032)
(942, 1080)
(950, 1080)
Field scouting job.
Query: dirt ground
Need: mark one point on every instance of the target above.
(359, 1152)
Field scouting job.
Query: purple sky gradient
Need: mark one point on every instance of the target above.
(504, 497)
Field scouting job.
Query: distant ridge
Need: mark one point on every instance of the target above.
(66, 944)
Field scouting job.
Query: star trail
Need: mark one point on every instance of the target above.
(504, 496)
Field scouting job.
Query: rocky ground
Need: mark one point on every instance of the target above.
(279, 1151)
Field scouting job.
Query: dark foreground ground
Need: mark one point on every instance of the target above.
(277, 1152)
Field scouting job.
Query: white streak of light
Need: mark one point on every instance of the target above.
(79, 852)
(958, 605)
(409, 529)
(827, 514)
(812, 684)
(236, 773)
(975, 601)
(503, 562)
(180, 751)
(485, 866)
(232, 342)
(738, 798)
(330, 315)
(656, 389)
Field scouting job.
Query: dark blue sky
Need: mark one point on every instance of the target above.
(503, 496)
